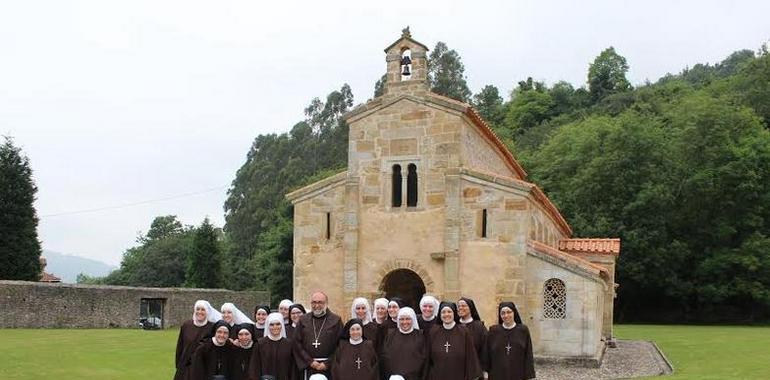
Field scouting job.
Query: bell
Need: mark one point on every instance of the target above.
(406, 60)
(406, 71)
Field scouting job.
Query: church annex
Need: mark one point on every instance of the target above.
(433, 202)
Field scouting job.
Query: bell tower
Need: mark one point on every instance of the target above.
(407, 66)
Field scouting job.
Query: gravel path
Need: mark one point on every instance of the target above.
(630, 359)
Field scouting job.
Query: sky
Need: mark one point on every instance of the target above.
(129, 110)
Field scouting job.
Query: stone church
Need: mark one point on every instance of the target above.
(433, 202)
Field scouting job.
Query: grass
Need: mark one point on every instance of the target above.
(697, 352)
(708, 352)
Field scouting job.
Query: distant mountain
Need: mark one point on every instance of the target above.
(67, 267)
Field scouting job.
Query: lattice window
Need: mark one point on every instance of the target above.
(554, 299)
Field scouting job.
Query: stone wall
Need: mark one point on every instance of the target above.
(478, 153)
(42, 305)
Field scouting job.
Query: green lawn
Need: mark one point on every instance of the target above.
(696, 352)
(707, 352)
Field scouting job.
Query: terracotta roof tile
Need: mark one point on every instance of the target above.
(606, 245)
(568, 259)
(47, 277)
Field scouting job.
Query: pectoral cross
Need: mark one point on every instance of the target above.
(358, 361)
(316, 344)
(447, 345)
(508, 348)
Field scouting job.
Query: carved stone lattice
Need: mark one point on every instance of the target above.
(554, 299)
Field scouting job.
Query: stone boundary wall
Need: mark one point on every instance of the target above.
(42, 305)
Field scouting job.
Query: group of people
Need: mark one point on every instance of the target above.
(446, 341)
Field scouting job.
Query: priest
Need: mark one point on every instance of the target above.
(316, 336)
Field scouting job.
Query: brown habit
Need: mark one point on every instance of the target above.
(190, 336)
(372, 333)
(357, 362)
(326, 329)
(209, 360)
(504, 363)
(239, 360)
(273, 357)
(451, 354)
(479, 334)
(404, 354)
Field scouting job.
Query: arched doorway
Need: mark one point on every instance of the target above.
(405, 284)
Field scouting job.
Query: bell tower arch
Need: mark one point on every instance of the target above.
(407, 65)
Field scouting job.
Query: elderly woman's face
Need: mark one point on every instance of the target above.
(356, 331)
(405, 322)
(393, 310)
(200, 313)
(275, 328)
(284, 310)
(227, 315)
(361, 311)
(261, 316)
(462, 309)
(447, 315)
(381, 311)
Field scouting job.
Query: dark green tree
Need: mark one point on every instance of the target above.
(489, 103)
(531, 104)
(19, 244)
(379, 86)
(607, 75)
(203, 262)
(446, 73)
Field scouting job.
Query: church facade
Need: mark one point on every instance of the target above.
(433, 202)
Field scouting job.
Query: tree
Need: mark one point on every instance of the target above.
(446, 73)
(379, 86)
(203, 262)
(607, 75)
(531, 103)
(19, 245)
(490, 106)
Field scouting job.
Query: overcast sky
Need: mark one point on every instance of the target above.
(154, 104)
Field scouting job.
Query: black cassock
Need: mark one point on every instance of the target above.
(239, 360)
(404, 354)
(508, 353)
(355, 361)
(190, 336)
(274, 358)
(210, 360)
(451, 354)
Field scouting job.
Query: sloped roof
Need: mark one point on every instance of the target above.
(602, 246)
(566, 260)
(408, 38)
(47, 277)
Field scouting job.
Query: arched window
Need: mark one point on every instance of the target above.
(396, 185)
(554, 299)
(411, 186)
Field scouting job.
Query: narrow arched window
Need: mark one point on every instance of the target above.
(554, 299)
(411, 186)
(397, 185)
(484, 223)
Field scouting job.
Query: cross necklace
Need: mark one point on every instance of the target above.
(358, 361)
(508, 348)
(318, 334)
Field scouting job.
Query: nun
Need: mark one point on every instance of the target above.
(355, 357)
(273, 354)
(260, 316)
(380, 310)
(394, 305)
(239, 356)
(191, 334)
(360, 310)
(451, 355)
(283, 308)
(428, 312)
(295, 312)
(508, 350)
(232, 316)
(404, 353)
(210, 358)
(469, 317)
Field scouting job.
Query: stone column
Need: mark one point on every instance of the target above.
(350, 244)
(452, 236)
